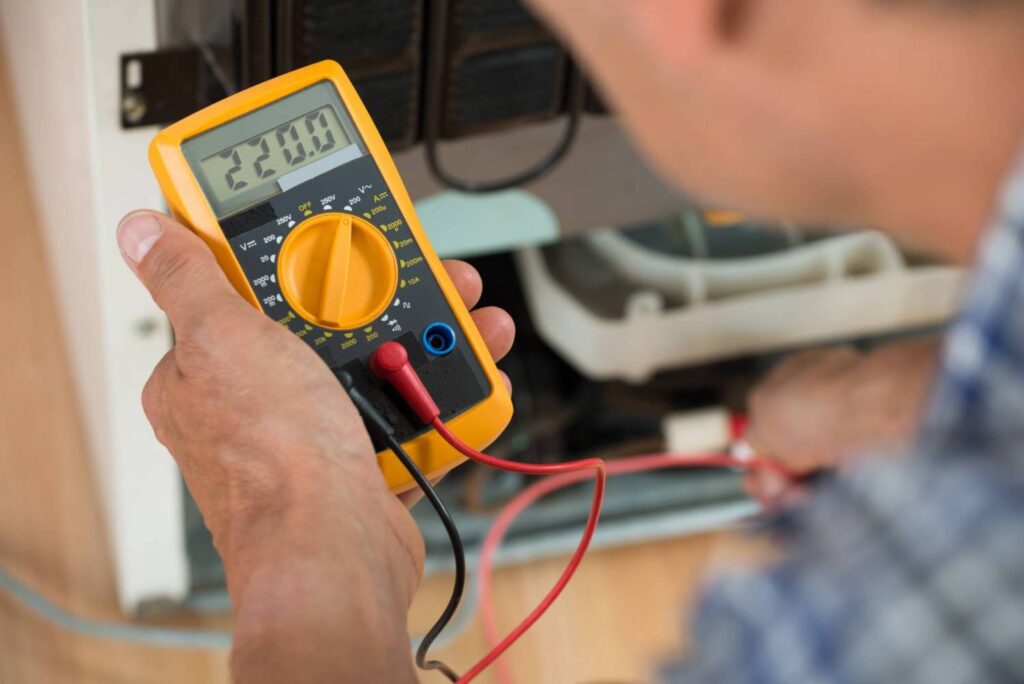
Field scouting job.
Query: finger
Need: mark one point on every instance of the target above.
(176, 267)
(773, 491)
(497, 329)
(759, 485)
(154, 394)
(466, 280)
(752, 485)
(411, 497)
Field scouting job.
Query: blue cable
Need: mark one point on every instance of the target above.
(137, 634)
(161, 637)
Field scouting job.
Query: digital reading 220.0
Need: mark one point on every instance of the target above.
(266, 156)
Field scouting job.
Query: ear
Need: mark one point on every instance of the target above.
(685, 31)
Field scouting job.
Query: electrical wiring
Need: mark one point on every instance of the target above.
(464, 616)
(536, 491)
(386, 432)
(580, 469)
(460, 565)
(391, 362)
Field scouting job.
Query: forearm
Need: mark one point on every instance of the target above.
(320, 589)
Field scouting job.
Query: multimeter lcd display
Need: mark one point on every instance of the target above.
(260, 160)
(272, 149)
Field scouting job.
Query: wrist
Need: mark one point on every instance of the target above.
(334, 553)
(320, 509)
(300, 621)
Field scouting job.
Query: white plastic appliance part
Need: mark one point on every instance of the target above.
(836, 288)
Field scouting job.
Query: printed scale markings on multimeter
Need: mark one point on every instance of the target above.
(291, 186)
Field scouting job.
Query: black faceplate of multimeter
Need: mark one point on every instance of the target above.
(456, 379)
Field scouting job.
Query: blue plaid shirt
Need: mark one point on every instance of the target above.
(907, 570)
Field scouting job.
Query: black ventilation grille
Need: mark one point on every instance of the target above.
(472, 16)
(358, 30)
(387, 97)
(505, 88)
(502, 68)
(380, 45)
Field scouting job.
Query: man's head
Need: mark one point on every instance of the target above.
(901, 114)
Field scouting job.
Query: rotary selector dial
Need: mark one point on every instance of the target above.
(337, 271)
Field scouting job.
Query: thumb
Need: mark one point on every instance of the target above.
(177, 268)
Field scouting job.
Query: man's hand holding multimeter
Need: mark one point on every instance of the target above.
(275, 455)
(298, 263)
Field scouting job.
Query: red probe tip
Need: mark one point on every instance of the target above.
(391, 362)
(390, 357)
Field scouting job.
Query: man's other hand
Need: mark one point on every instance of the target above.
(818, 407)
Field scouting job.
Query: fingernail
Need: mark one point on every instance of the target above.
(136, 235)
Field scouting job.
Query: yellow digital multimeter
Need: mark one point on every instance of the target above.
(291, 186)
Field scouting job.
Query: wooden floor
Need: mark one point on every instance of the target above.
(621, 615)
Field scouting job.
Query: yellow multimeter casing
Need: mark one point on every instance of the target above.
(310, 221)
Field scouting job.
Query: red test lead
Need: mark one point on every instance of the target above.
(391, 362)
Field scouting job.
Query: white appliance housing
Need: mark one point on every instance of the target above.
(63, 58)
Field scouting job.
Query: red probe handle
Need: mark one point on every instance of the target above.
(391, 362)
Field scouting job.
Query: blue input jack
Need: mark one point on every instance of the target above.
(438, 339)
